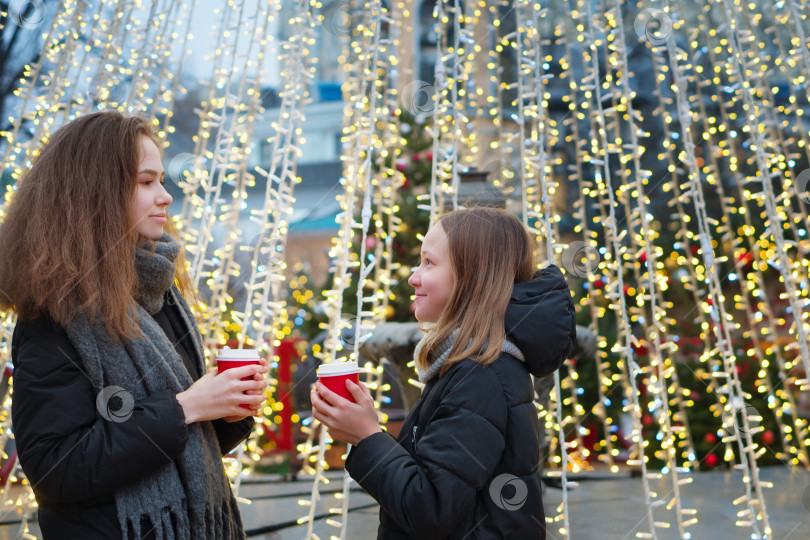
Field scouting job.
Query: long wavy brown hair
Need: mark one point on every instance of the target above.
(68, 239)
(490, 251)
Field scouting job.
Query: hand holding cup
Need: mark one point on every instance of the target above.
(334, 377)
(233, 394)
(342, 404)
(234, 358)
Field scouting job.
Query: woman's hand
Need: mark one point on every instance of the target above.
(347, 421)
(215, 396)
(252, 411)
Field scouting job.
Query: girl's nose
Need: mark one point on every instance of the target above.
(165, 197)
(413, 281)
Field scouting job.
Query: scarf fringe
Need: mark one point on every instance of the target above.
(215, 523)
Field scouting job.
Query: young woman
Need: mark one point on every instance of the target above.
(118, 427)
(465, 464)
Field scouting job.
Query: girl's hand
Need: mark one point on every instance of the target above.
(253, 410)
(219, 396)
(347, 421)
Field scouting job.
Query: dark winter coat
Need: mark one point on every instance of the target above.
(73, 458)
(465, 464)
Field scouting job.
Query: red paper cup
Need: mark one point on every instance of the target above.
(233, 358)
(334, 377)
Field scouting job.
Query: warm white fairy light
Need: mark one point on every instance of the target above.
(234, 156)
(264, 283)
(768, 167)
(755, 505)
(589, 246)
(81, 77)
(649, 302)
(166, 107)
(5, 435)
(750, 280)
(449, 99)
(225, 170)
(31, 108)
(376, 269)
(796, 436)
(684, 237)
(602, 147)
(262, 322)
(505, 177)
(368, 54)
(533, 138)
(690, 243)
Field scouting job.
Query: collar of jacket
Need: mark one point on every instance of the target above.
(443, 352)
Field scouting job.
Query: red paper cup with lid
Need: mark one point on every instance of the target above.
(233, 358)
(335, 374)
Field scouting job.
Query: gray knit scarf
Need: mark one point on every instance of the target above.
(443, 353)
(192, 491)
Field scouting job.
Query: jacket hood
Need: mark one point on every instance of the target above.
(540, 320)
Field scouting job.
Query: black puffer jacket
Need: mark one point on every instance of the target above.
(73, 458)
(466, 462)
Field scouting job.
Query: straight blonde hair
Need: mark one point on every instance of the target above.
(490, 251)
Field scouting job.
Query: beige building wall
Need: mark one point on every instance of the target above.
(312, 250)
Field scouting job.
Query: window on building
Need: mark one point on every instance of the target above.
(428, 42)
(265, 152)
(338, 145)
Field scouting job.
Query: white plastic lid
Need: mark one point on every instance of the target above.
(237, 354)
(337, 368)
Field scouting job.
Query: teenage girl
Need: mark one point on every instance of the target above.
(118, 427)
(465, 464)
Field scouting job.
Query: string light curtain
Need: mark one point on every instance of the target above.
(675, 131)
(370, 147)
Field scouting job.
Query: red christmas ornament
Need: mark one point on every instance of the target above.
(646, 419)
(694, 249)
(711, 460)
(710, 438)
(768, 437)
(598, 283)
(746, 258)
(643, 257)
(641, 349)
